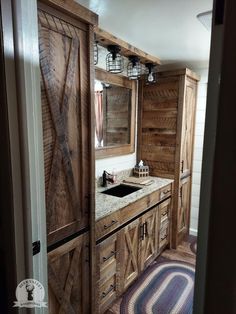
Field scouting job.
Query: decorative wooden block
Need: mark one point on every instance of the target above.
(141, 171)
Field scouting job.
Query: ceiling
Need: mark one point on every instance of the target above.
(167, 29)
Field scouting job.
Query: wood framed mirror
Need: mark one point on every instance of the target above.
(115, 108)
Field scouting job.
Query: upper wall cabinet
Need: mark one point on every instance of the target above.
(115, 98)
(65, 45)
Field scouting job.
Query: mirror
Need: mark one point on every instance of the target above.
(114, 114)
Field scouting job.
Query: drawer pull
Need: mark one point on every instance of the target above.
(182, 166)
(164, 237)
(109, 256)
(165, 192)
(113, 222)
(111, 288)
(165, 213)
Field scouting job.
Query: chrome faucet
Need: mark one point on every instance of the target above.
(107, 177)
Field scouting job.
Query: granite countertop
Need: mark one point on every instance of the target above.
(107, 204)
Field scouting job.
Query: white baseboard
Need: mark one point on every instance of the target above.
(193, 231)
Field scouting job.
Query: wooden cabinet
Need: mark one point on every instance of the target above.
(68, 273)
(64, 50)
(107, 290)
(107, 224)
(66, 70)
(124, 255)
(166, 134)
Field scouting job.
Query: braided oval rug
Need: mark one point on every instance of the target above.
(164, 288)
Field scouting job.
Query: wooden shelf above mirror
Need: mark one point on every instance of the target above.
(104, 39)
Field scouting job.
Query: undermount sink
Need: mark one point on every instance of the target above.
(121, 190)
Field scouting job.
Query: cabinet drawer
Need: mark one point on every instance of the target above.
(107, 252)
(107, 224)
(107, 294)
(164, 209)
(107, 273)
(165, 192)
(164, 235)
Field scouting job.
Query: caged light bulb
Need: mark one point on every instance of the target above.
(150, 77)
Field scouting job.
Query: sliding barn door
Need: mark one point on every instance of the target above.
(64, 92)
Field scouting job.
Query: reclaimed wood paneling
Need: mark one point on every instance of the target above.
(64, 88)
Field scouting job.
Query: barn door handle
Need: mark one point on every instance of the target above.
(182, 166)
(111, 288)
(142, 231)
(111, 224)
(106, 258)
(145, 229)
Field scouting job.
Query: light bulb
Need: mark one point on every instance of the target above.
(150, 77)
(135, 71)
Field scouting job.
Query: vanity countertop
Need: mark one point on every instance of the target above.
(107, 204)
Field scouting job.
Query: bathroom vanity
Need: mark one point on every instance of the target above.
(131, 231)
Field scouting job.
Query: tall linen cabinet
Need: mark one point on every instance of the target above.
(166, 136)
(67, 76)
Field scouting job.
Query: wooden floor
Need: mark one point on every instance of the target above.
(182, 253)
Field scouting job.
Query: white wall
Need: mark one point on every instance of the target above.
(121, 162)
(198, 148)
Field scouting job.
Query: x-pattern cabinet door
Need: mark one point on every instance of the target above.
(68, 273)
(129, 252)
(149, 237)
(63, 52)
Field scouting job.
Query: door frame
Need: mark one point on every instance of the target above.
(20, 45)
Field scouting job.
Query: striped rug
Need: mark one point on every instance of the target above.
(164, 288)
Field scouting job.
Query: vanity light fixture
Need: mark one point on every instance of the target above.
(134, 68)
(114, 60)
(95, 51)
(151, 76)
